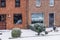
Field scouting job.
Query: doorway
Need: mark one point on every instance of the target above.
(51, 19)
(2, 21)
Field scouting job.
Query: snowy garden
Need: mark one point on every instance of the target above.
(29, 34)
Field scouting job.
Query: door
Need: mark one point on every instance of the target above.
(51, 19)
(2, 21)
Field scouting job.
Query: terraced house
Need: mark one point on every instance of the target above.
(44, 11)
(21, 13)
(12, 13)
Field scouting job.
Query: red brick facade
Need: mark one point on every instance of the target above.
(27, 7)
(45, 9)
(10, 10)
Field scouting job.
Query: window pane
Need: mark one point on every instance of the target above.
(17, 18)
(17, 3)
(3, 3)
(38, 3)
(51, 2)
(2, 18)
(37, 18)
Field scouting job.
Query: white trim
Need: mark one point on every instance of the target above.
(38, 5)
(51, 5)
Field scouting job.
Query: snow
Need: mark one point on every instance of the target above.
(28, 34)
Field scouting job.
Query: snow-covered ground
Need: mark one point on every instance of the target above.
(28, 34)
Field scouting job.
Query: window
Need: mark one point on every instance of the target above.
(38, 3)
(37, 18)
(51, 2)
(17, 18)
(2, 17)
(3, 3)
(17, 3)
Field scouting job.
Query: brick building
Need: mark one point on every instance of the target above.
(12, 13)
(44, 11)
(21, 13)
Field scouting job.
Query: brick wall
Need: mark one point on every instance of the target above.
(46, 9)
(10, 10)
(27, 7)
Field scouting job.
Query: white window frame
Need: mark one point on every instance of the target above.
(38, 3)
(51, 2)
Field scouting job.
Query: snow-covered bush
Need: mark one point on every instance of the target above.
(38, 27)
(16, 32)
(31, 26)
